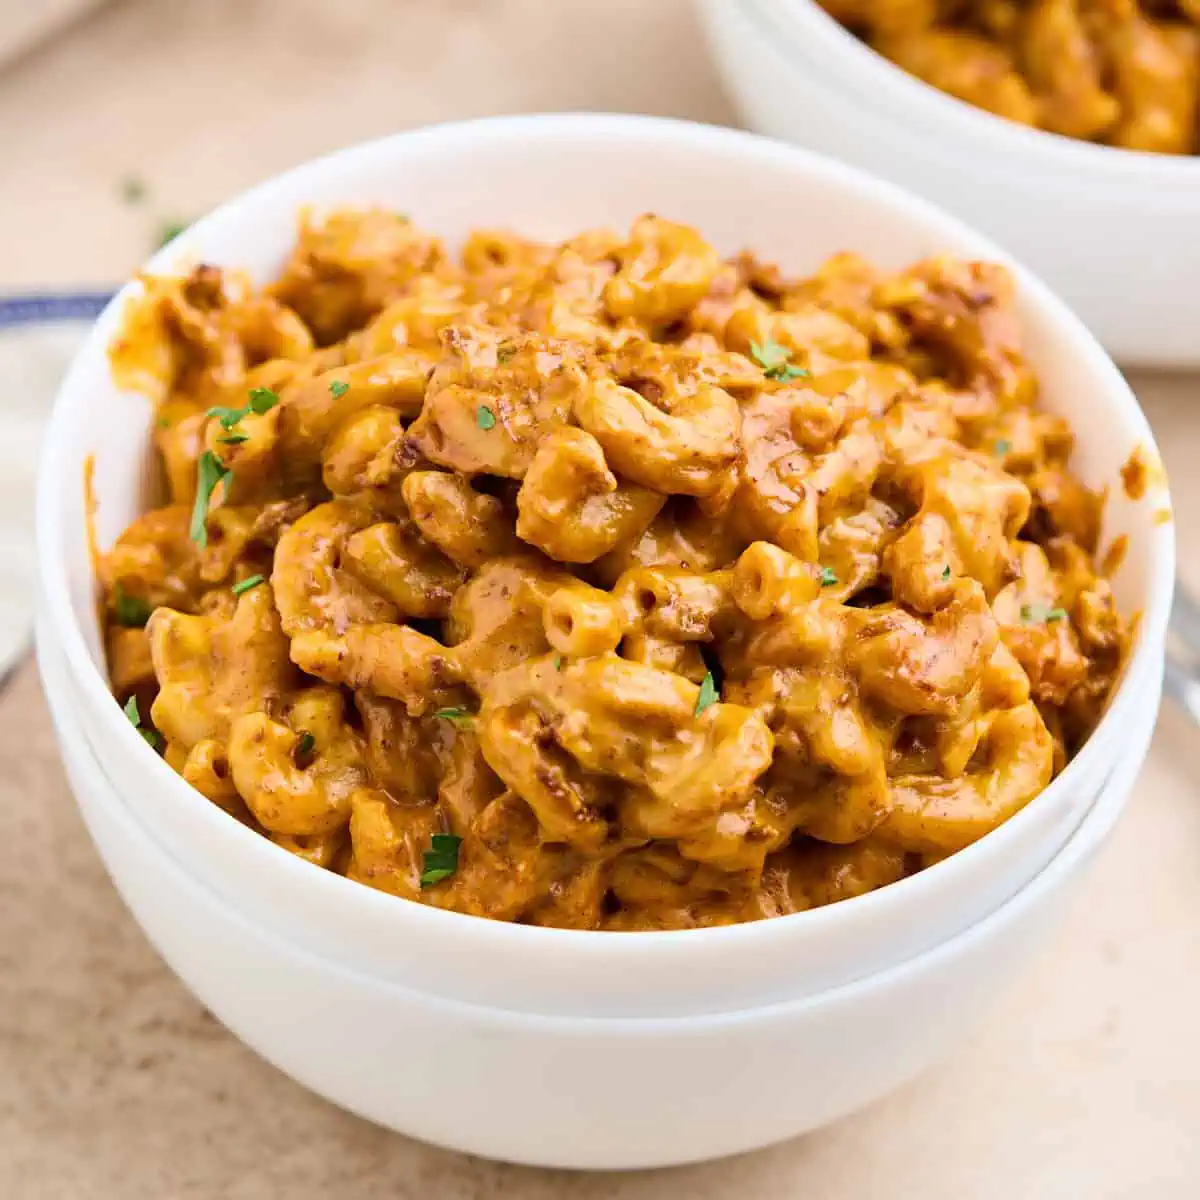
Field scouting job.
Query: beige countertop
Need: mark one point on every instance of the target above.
(114, 1082)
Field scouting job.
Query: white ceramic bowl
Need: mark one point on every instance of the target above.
(551, 176)
(568, 1091)
(1113, 231)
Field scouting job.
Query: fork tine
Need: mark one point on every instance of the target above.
(1185, 619)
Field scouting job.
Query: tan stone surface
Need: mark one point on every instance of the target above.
(114, 1082)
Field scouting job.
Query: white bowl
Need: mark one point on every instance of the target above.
(551, 176)
(1113, 231)
(568, 1091)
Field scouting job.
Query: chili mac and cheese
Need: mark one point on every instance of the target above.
(1122, 72)
(611, 584)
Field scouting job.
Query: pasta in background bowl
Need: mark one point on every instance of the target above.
(1123, 74)
(542, 178)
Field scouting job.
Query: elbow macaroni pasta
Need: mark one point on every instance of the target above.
(609, 585)
(1121, 72)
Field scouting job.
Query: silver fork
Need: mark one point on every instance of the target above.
(1182, 678)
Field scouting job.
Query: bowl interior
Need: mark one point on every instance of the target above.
(550, 177)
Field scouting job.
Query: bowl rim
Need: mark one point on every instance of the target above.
(1071, 856)
(890, 90)
(737, 145)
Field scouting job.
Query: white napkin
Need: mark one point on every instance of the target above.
(32, 361)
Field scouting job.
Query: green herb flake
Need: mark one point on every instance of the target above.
(773, 358)
(558, 662)
(441, 859)
(946, 571)
(484, 417)
(152, 737)
(828, 577)
(304, 747)
(168, 231)
(133, 190)
(228, 417)
(164, 423)
(769, 355)
(210, 471)
(246, 584)
(783, 374)
(1038, 614)
(338, 388)
(262, 400)
(131, 611)
(1002, 447)
(234, 439)
(505, 352)
(708, 693)
(458, 715)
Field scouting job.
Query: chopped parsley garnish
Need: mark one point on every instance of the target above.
(460, 716)
(262, 400)
(484, 417)
(210, 471)
(1036, 614)
(168, 231)
(1003, 446)
(558, 662)
(228, 417)
(773, 358)
(787, 372)
(234, 439)
(828, 577)
(769, 355)
(946, 571)
(441, 859)
(152, 737)
(505, 352)
(303, 751)
(338, 388)
(708, 693)
(246, 584)
(131, 611)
